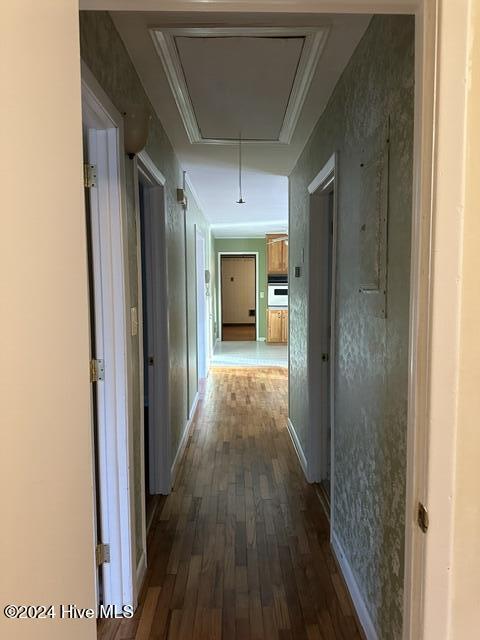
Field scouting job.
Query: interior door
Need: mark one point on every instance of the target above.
(149, 364)
(201, 306)
(89, 184)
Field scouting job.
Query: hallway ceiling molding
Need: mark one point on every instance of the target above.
(237, 72)
(239, 77)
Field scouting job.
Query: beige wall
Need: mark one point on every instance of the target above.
(46, 535)
(238, 295)
(466, 545)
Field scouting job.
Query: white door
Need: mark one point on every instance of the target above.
(109, 352)
(201, 306)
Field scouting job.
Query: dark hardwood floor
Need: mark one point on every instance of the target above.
(242, 332)
(240, 550)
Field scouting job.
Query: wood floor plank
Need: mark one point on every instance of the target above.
(240, 549)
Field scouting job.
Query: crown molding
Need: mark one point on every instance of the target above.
(164, 42)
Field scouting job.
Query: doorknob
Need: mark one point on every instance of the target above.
(324, 357)
(150, 361)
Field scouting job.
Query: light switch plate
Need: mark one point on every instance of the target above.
(134, 320)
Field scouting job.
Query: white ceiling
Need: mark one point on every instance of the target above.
(239, 83)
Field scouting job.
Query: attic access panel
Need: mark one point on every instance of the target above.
(226, 80)
(239, 83)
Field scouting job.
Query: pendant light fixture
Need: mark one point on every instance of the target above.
(240, 195)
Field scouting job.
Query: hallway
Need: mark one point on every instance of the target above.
(234, 552)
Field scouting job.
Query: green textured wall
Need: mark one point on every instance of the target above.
(246, 245)
(104, 53)
(371, 352)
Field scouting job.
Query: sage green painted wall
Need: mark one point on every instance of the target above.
(104, 53)
(246, 245)
(371, 352)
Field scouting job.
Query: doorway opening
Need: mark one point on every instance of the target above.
(149, 400)
(322, 256)
(153, 343)
(238, 297)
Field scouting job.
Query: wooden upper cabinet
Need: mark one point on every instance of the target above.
(277, 254)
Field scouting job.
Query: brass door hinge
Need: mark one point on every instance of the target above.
(102, 554)
(89, 175)
(422, 517)
(97, 370)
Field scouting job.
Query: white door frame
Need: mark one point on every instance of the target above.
(159, 436)
(110, 265)
(257, 297)
(200, 285)
(316, 456)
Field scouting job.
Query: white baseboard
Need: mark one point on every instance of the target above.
(183, 440)
(358, 602)
(140, 574)
(193, 408)
(298, 447)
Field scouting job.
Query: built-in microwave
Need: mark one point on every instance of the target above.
(277, 291)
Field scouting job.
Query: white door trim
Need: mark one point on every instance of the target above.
(315, 462)
(114, 393)
(155, 196)
(159, 437)
(257, 298)
(199, 236)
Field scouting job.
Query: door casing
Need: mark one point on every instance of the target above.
(111, 292)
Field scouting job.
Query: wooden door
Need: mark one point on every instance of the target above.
(285, 325)
(275, 262)
(274, 333)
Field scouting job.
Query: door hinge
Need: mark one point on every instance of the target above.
(102, 554)
(422, 517)
(89, 175)
(97, 370)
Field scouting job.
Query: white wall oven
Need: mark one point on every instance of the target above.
(278, 291)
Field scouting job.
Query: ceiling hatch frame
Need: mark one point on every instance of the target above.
(314, 44)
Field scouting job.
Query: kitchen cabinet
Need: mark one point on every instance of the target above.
(285, 326)
(277, 253)
(277, 325)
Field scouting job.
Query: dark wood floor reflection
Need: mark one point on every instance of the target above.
(240, 548)
(238, 332)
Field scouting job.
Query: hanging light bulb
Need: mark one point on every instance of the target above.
(240, 198)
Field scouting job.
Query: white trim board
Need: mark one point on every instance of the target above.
(115, 396)
(354, 590)
(183, 440)
(298, 448)
(155, 208)
(319, 189)
(149, 169)
(164, 42)
(219, 281)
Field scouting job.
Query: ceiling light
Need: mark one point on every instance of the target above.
(240, 197)
(136, 125)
